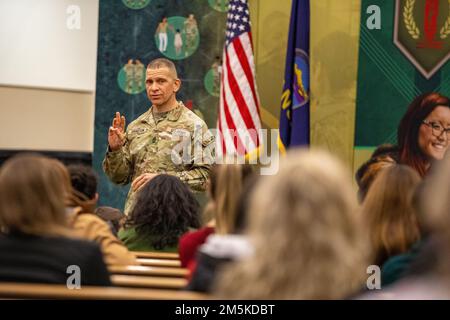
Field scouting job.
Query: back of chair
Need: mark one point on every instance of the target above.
(149, 271)
(156, 255)
(51, 291)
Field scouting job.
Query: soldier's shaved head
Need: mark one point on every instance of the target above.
(163, 63)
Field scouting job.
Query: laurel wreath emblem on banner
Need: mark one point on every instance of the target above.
(409, 19)
(445, 31)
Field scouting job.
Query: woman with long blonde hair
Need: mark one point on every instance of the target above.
(389, 213)
(306, 235)
(428, 274)
(225, 186)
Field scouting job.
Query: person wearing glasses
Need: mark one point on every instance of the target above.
(422, 138)
(424, 131)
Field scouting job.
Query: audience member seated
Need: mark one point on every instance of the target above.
(89, 226)
(165, 209)
(422, 139)
(420, 258)
(306, 232)
(391, 219)
(222, 248)
(384, 156)
(36, 243)
(428, 276)
(224, 188)
(113, 217)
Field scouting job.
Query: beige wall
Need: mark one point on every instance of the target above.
(334, 49)
(42, 44)
(57, 59)
(270, 26)
(37, 119)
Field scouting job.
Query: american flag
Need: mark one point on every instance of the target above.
(238, 121)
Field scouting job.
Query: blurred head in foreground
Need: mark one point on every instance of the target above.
(33, 190)
(306, 232)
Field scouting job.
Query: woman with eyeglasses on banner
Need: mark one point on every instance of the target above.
(423, 137)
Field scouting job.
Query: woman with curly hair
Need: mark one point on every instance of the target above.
(165, 209)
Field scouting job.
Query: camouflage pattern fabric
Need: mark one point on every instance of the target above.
(176, 142)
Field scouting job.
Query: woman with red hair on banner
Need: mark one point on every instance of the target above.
(422, 137)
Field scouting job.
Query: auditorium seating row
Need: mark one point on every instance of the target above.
(159, 276)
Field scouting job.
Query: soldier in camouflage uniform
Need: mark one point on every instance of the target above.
(168, 138)
(139, 75)
(129, 74)
(191, 31)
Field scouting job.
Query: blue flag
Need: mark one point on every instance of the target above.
(294, 115)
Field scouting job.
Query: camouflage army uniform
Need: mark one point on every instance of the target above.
(154, 140)
(139, 75)
(129, 73)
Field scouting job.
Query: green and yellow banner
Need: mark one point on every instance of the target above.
(369, 59)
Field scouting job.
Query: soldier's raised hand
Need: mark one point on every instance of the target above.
(140, 181)
(116, 133)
